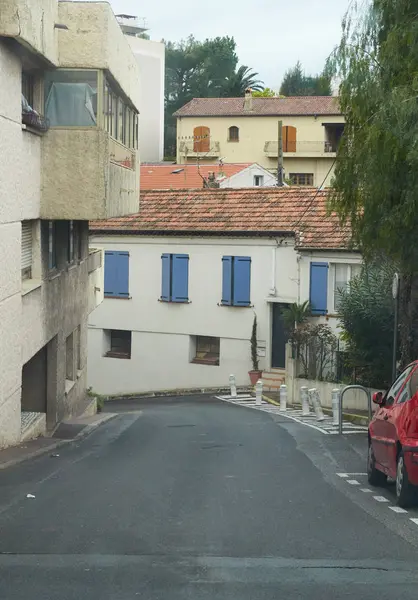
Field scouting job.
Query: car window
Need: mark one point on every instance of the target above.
(396, 387)
(410, 388)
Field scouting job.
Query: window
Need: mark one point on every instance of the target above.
(233, 134)
(343, 274)
(206, 350)
(52, 245)
(175, 278)
(26, 249)
(289, 138)
(116, 275)
(318, 288)
(258, 180)
(301, 178)
(70, 242)
(119, 343)
(201, 139)
(28, 87)
(396, 387)
(236, 280)
(69, 358)
(71, 98)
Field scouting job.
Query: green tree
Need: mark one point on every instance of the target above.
(297, 83)
(376, 176)
(266, 93)
(366, 314)
(236, 83)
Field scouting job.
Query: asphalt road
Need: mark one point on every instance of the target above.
(196, 499)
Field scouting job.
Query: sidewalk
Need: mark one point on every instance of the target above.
(358, 417)
(67, 432)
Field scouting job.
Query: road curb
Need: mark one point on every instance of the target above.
(352, 418)
(58, 444)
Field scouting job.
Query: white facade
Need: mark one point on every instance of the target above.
(162, 343)
(252, 176)
(150, 57)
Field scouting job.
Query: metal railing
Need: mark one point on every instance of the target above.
(200, 148)
(318, 147)
(346, 389)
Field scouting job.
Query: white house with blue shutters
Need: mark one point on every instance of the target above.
(180, 299)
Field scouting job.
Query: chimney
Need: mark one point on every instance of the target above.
(248, 100)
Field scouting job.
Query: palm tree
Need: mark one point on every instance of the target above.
(236, 85)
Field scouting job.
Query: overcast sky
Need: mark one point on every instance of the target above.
(271, 35)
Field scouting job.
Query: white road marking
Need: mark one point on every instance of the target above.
(398, 509)
(380, 499)
(414, 521)
(343, 475)
(353, 482)
(366, 490)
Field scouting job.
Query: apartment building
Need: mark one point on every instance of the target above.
(246, 130)
(69, 96)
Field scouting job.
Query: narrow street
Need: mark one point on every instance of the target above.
(195, 498)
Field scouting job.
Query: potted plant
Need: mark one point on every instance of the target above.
(255, 374)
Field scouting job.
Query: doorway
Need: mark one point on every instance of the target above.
(34, 384)
(278, 341)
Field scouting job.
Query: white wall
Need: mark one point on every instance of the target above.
(161, 331)
(150, 57)
(245, 178)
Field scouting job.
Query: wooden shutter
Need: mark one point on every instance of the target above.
(26, 244)
(242, 281)
(226, 280)
(180, 278)
(166, 277)
(201, 136)
(116, 276)
(289, 139)
(319, 288)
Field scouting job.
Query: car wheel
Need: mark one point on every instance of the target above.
(374, 476)
(405, 491)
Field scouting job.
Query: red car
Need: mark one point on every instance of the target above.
(393, 437)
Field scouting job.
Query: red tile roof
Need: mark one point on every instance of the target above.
(246, 211)
(164, 177)
(291, 106)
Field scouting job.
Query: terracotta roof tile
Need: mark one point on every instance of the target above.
(239, 211)
(164, 177)
(291, 106)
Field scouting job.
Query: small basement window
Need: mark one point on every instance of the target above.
(206, 350)
(118, 343)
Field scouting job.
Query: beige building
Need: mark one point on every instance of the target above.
(69, 90)
(246, 130)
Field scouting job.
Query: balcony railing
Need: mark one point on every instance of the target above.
(191, 148)
(301, 148)
(121, 155)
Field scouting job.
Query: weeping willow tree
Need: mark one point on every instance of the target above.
(376, 176)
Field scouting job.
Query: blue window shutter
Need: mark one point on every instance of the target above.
(122, 274)
(242, 280)
(110, 274)
(180, 278)
(166, 277)
(319, 288)
(226, 280)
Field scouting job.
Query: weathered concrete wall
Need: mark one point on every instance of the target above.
(95, 40)
(31, 22)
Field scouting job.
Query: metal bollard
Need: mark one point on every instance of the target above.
(259, 392)
(316, 403)
(335, 406)
(233, 386)
(283, 398)
(304, 400)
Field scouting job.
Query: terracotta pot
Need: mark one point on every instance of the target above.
(255, 376)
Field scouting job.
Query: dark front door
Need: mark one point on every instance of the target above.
(34, 383)
(278, 345)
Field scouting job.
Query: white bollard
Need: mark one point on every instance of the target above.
(259, 392)
(335, 406)
(316, 403)
(233, 386)
(304, 400)
(283, 398)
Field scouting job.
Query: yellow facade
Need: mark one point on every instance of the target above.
(257, 143)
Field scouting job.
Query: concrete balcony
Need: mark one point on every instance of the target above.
(200, 149)
(87, 175)
(95, 267)
(302, 149)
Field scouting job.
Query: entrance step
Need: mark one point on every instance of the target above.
(32, 425)
(273, 379)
